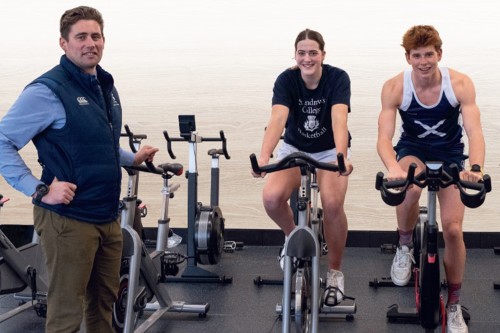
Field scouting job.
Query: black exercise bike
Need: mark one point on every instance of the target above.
(429, 303)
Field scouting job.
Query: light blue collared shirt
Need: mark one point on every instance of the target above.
(36, 109)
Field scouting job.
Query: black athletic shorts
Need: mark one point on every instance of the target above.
(425, 154)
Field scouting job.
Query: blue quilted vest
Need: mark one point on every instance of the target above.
(86, 150)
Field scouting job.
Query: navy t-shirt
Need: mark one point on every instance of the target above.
(309, 124)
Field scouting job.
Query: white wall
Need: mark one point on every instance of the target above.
(218, 60)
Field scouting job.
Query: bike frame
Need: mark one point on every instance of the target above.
(23, 267)
(303, 243)
(427, 292)
(196, 252)
(145, 280)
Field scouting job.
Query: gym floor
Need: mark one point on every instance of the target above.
(244, 307)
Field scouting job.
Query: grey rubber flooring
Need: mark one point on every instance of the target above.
(241, 306)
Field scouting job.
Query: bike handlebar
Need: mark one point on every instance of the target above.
(173, 168)
(423, 179)
(3, 200)
(221, 138)
(134, 138)
(298, 159)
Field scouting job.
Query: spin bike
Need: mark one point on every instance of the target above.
(429, 302)
(22, 267)
(205, 234)
(303, 249)
(141, 274)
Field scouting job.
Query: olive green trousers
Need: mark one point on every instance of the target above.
(83, 265)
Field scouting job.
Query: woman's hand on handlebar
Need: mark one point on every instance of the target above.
(348, 168)
(262, 161)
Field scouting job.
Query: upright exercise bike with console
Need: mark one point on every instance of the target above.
(205, 234)
(303, 249)
(429, 303)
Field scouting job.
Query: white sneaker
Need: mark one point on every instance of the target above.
(455, 322)
(281, 259)
(334, 292)
(402, 266)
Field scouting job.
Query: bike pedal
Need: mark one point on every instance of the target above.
(231, 246)
(324, 249)
(41, 310)
(388, 248)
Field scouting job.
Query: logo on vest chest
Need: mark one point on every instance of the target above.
(115, 103)
(82, 101)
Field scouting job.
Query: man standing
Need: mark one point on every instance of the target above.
(74, 117)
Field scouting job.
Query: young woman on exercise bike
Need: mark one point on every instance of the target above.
(311, 102)
(435, 105)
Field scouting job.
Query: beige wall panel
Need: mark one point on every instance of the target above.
(218, 60)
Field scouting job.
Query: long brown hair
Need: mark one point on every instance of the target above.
(311, 35)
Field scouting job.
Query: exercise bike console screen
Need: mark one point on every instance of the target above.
(434, 169)
(186, 125)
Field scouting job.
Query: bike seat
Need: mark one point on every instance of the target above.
(174, 168)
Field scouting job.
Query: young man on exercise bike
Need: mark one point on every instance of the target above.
(435, 105)
(74, 117)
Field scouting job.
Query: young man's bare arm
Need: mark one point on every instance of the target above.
(466, 95)
(391, 97)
